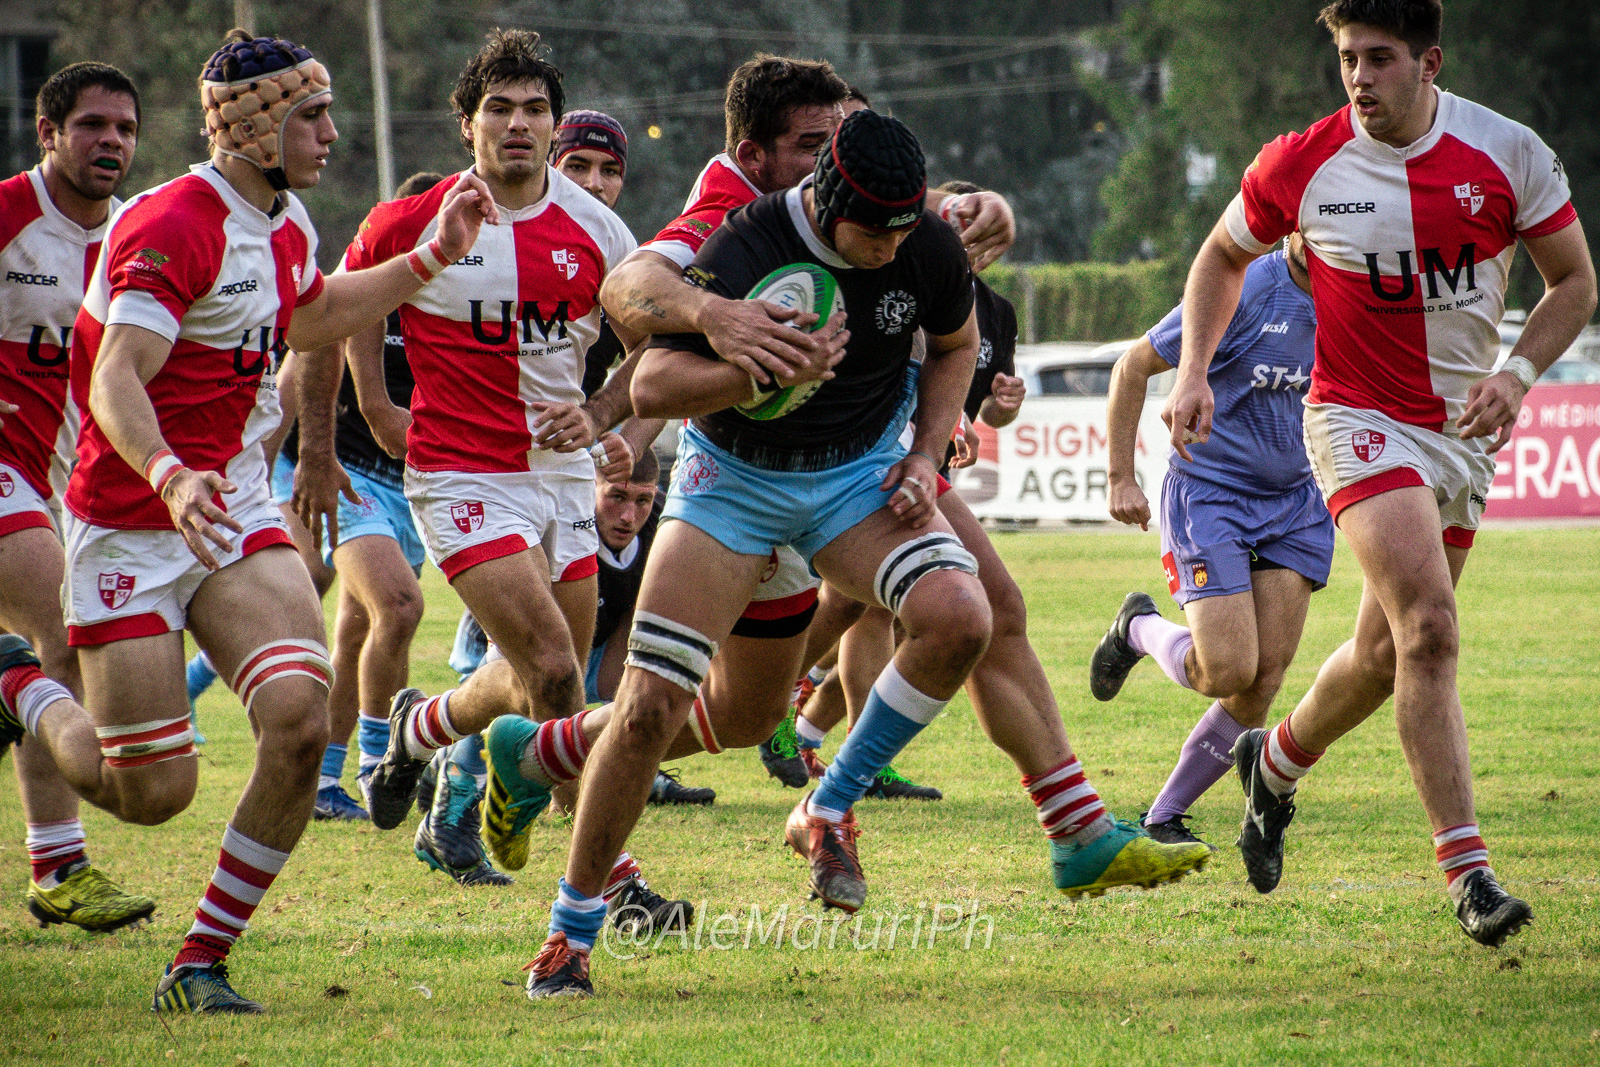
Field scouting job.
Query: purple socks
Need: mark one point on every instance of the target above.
(1206, 756)
(1165, 642)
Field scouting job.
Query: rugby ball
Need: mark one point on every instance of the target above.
(805, 287)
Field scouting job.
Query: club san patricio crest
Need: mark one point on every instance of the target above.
(895, 311)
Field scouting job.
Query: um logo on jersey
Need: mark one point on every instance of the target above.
(1433, 266)
(531, 316)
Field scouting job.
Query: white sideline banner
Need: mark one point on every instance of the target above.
(1051, 463)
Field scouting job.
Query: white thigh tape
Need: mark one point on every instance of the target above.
(906, 564)
(281, 659)
(676, 652)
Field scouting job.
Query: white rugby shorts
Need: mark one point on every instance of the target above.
(470, 518)
(1358, 453)
(122, 584)
(21, 507)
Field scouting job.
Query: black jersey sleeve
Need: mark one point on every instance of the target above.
(948, 275)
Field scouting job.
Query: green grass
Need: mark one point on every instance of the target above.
(1356, 959)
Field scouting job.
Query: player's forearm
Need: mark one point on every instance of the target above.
(641, 433)
(129, 357)
(991, 413)
(1210, 298)
(671, 384)
(1555, 321)
(646, 293)
(352, 302)
(316, 386)
(941, 388)
(363, 354)
(611, 404)
(1124, 407)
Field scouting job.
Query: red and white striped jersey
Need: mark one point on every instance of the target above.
(1409, 248)
(502, 327)
(720, 188)
(46, 259)
(193, 261)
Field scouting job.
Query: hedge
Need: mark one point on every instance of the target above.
(1089, 301)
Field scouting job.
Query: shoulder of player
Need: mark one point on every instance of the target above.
(409, 216)
(583, 208)
(19, 206)
(182, 219)
(1305, 151)
(1503, 139)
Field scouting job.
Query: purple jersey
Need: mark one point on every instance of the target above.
(1258, 378)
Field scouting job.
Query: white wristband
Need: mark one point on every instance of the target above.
(160, 468)
(1522, 369)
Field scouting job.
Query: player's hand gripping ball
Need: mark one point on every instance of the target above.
(803, 287)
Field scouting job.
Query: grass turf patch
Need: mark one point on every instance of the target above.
(363, 956)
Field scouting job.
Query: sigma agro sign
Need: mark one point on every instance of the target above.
(1551, 467)
(1053, 462)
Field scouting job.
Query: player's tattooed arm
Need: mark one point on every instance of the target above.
(647, 292)
(1210, 298)
(388, 421)
(129, 357)
(1130, 380)
(1568, 302)
(319, 480)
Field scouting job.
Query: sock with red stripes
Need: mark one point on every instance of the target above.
(244, 872)
(27, 693)
(1165, 642)
(1068, 805)
(1283, 761)
(622, 872)
(429, 728)
(52, 848)
(1460, 849)
(557, 751)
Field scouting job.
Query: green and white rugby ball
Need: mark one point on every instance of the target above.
(805, 287)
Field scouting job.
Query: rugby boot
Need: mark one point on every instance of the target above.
(514, 801)
(781, 755)
(447, 837)
(1173, 831)
(666, 789)
(559, 970)
(87, 899)
(815, 768)
(890, 784)
(643, 913)
(430, 780)
(394, 780)
(830, 848)
(333, 803)
(14, 652)
(1114, 657)
(1266, 815)
(201, 989)
(1486, 912)
(1125, 855)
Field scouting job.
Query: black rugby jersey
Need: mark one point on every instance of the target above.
(926, 286)
(354, 444)
(620, 575)
(997, 351)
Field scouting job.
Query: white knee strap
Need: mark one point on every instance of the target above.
(140, 743)
(906, 565)
(678, 653)
(281, 659)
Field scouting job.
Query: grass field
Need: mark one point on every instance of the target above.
(362, 956)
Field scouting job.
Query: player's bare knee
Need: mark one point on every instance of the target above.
(398, 614)
(560, 688)
(294, 726)
(1428, 636)
(1226, 675)
(651, 719)
(952, 619)
(149, 796)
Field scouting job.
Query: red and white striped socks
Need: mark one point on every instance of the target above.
(622, 872)
(1460, 849)
(245, 871)
(1283, 762)
(557, 751)
(429, 728)
(53, 847)
(1068, 805)
(27, 692)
